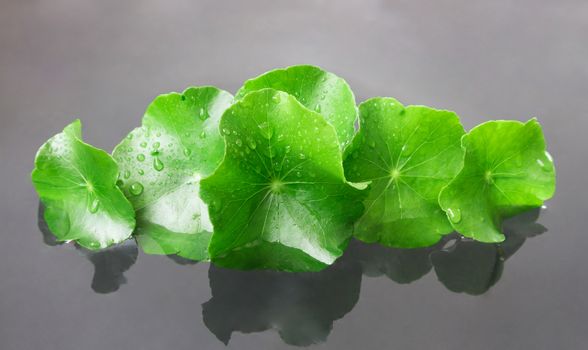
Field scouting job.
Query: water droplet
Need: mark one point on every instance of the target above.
(548, 156)
(540, 162)
(130, 136)
(298, 174)
(203, 135)
(143, 144)
(251, 143)
(140, 157)
(127, 174)
(141, 172)
(276, 98)
(454, 215)
(136, 189)
(119, 183)
(266, 130)
(94, 205)
(226, 131)
(373, 144)
(202, 114)
(156, 145)
(301, 156)
(238, 142)
(187, 152)
(317, 108)
(157, 164)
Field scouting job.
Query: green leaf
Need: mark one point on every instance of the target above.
(162, 163)
(409, 154)
(77, 185)
(316, 89)
(279, 199)
(506, 171)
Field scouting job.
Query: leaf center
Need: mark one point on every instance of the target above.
(276, 185)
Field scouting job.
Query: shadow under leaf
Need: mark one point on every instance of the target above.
(471, 267)
(109, 264)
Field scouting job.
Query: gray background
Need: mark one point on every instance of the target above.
(103, 62)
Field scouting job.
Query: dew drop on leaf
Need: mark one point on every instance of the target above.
(187, 152)
(238, 142)
(140, 157)
(94, 205)
(157, 164)
(202, 114)
(136, 189)
(143, 144)
(251, 143)
(156, 145)
(454, 215)
(301, 156)
(127, 174)
(203, 135)
(141, 172)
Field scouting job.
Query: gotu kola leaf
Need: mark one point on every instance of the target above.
(77, 184)
(316, 89)
(279, 199)
(162, 163)
(408, 154)
(506, 171)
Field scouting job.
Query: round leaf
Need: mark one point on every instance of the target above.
(408, 154)
(77, 185)
(506, 171)
(162, 163)
(279, 199)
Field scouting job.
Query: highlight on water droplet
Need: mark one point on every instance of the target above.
(143, 144)
(127, 174)
(141, 172)
(187, 152)
(276, 98)
(92, 202)
(540, 162)
(94, 205)
(157, 164)
(136, 189)
(454, 215)
(301, 156)
(140, 157)
(156, 145)
(202, 114)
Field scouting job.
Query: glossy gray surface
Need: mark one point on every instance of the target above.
(103, 61)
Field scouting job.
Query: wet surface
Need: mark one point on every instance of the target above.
(103, 62)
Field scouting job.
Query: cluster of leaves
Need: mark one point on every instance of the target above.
(277, 177)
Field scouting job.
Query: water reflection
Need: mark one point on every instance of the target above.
(467, 266)
(302, 307)
(109, 264)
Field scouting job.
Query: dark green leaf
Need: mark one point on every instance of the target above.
(408, 154)
(506, 171)
(279, 199)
